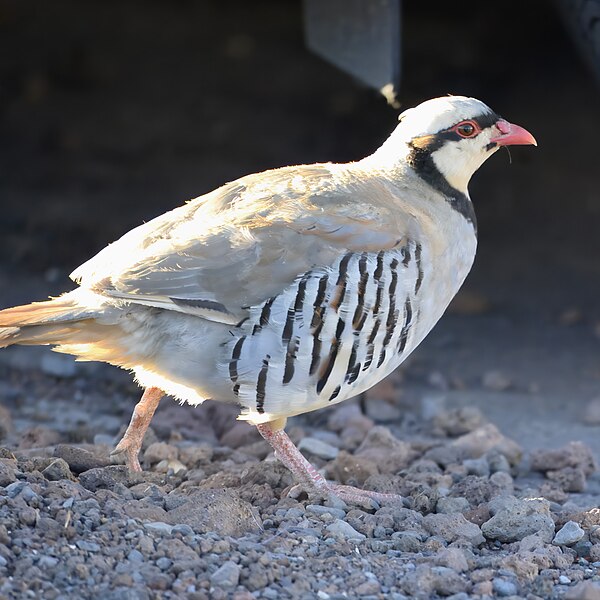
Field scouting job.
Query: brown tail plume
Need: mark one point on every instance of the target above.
(41, 322)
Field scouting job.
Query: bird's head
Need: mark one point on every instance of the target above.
(445, 140)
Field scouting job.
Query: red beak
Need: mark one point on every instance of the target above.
(512, 135)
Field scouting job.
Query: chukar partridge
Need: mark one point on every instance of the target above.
(285, 291)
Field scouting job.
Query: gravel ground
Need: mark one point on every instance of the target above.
(109, 116)
(210, 516)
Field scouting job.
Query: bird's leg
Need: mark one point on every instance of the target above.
(131, 443)
(308, 476)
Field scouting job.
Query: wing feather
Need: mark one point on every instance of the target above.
(232, 248)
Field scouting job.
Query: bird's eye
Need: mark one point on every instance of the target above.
(466, 129)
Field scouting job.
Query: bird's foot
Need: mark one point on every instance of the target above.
(346, 493)
(310, 480)
(131, 443)
(129, 449)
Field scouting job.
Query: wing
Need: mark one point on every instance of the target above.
(248, 240)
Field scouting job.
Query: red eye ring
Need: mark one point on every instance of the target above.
(467, 129)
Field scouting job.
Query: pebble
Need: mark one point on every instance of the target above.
(159, 527)
(341, 529)
(159, 451)
(7, 474)
(315, 447)
(135, 556)
(503, 587)
(569, 534)
(453, 527)
(450, 505)
(515, 519)
(226, 576)
(80, 459)
(574, 455)
(586, 590)
(317, 509)
(564, 580)
(164, 563)
(58, 469)
(453, 558)
(88, 546)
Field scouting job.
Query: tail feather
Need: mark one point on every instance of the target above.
(47, 322)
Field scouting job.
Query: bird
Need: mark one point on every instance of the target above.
(285, 291)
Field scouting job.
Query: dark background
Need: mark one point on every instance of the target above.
(113, 112)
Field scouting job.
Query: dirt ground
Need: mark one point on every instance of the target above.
(111, 114)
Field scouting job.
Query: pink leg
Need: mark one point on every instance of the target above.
(309, 477)
(131, 443)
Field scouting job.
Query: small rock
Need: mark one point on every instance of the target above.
(351, 470)
(367, 588)
(514, 519)
(531, 542)
(108, 478)
(564, 580)
(183, 530)
(496, 381)
(569, 534)
(8, 472)
(447, 582)
(28, 516)
(586, 590)
(221, 511)
(172, 467)
(314, 447)
(47, 562)
(477, 466)
(164, 563)
(227, 576)
(318, 509)
(573, 454)
(497, 462)
(484, 439)
(80, 459)
(88, 546)
(135, 556)
(453, 527)
(388, 452)
(193, 456)
(158, 527)
(407, 541)
(569, 479)
(58, 469)
(453, 558)
(450, 505)
(159, 451)
(458, 421)
(503, 587)
(343, 530)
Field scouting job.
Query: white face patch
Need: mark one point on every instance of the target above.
(458, 160)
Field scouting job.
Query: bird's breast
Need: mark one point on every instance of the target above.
(340, 329)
